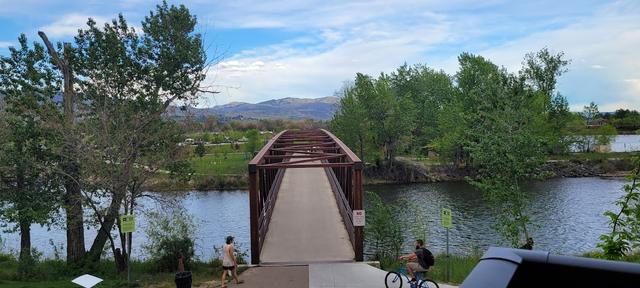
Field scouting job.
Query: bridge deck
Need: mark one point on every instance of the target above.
(306, 226)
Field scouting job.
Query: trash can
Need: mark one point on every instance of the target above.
(183, 279)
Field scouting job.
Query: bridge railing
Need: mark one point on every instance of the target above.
(304, 149)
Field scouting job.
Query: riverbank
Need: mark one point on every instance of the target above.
(213, 172)
(409, 170)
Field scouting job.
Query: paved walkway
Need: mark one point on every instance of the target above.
(306, 226)
(327, 275)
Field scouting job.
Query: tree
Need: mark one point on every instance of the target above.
(428, 92)
(625, 224)
(503, 142)
(70, 165)
(200, 151)
(129, 80)
(29, 186)
(211, 123)
(253, 142)
(590, 113)
(541, 71)
(350, 122)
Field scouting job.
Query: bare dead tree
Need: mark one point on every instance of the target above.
(70, 166)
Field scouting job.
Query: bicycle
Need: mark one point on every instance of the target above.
(394, 279)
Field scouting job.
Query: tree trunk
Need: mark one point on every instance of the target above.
(107, 224)
(25, 239)
(75, 217)
(73, 195)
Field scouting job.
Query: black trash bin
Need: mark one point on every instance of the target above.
(183, 279)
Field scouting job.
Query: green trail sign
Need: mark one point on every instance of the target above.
(446, 218)
(127, 223)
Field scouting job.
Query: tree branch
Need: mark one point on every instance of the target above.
(59, 62)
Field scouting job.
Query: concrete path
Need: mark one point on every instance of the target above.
(327, 275)
(306, 226)
(344, 275)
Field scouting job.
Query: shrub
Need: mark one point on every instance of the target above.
(170, 235)
(28, 266)
(383, 230)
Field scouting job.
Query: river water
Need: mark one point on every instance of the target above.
(567, 212)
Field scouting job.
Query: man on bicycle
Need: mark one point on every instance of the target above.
(420, 260)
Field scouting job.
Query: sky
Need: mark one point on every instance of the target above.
(263, 50)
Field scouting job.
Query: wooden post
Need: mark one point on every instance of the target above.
(254, 213)
(358, 199)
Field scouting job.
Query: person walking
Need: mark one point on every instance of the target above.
(229, 262)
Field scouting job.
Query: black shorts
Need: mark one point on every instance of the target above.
(228, 268)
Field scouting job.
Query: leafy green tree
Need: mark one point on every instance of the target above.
(383, 229)
(541, 71)
(625, 224)
(29, 182)
(253, 141)
(171, 235)
(200, 151)
(503, 142)
(129, 79)
(605, 134)
(391, 118)
(428, 91)
(590, 113)
(350, 122)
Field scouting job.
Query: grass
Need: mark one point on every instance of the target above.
(55, 273)
(461, 266)
(633, 257)
(216, 164)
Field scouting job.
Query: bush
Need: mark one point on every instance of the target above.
(28, 266)
(170, 235)
(383, 230)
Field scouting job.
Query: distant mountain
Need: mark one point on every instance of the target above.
(288, 108)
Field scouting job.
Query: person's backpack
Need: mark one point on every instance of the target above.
(428, 257)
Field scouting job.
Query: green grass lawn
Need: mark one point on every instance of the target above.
(215, 164)
(55, 273)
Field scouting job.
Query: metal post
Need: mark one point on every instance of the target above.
(253, 206)
(358, 200)
(128, 259)
(448, 257)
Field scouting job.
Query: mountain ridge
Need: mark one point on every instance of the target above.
(285, 108)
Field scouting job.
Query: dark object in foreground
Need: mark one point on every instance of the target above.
(183, 279)
(506, 267)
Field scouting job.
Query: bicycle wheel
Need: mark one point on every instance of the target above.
(393, 280)
(428, 284)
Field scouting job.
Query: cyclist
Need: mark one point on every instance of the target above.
(420, 260)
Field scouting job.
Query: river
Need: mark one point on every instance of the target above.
(567, 212)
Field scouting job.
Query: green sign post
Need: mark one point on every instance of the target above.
(127, 223)
(447, 223)
(128, 226)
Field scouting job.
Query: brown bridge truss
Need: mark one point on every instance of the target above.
(304, 149)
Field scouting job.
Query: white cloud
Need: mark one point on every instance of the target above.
(608, 37)
(5, 44)
(69, 24)
(347, 37)
(287, 71)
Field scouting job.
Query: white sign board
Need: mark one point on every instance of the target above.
(87, 281)
(358, 218)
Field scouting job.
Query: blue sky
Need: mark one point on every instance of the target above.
(289, 48)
